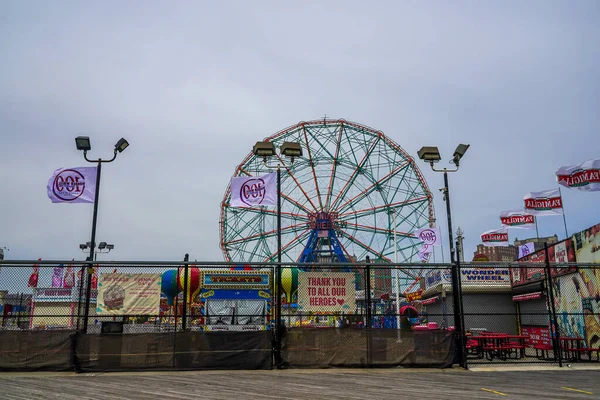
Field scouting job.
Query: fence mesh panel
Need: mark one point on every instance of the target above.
(361, 314)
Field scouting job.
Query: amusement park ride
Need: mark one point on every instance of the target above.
(354, 194)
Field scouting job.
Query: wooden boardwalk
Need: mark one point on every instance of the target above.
(372, 384)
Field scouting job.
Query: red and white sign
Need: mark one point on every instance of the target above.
(546, 202)
(72, 185)
(585, 176)
(495, 237)
(250, 191)
(537, 335)
(326, 291)
(528, 296)
(517, 219)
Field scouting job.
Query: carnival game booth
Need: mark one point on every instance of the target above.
(235, 300)
(486, 290)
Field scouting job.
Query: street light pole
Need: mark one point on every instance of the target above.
(265, 150)
(83, 143)
(279, 317)
(432, 155)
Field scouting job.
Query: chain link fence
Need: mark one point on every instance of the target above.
(183, 315)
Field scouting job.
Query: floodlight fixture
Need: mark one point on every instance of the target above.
(110, 246)
(460, 151)
(83, 143)
(102, 246)
(429, 154)
(121, 145)
(264, 149)
(291, 149)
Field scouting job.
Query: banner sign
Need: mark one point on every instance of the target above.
(50, 295)
(437, 276)
(587, 245)
(250, 191)
(412, 296)
(429, 236)
(536, 335)
(485, 275)
(585, 176)
(517, 219)
(236, 280)
(133, 294)
(72, 185)
(495, 237)
(546, 202)
(561, 252)
(326, 291)
(526, 249)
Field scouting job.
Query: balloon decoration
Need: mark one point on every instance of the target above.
(193, 286)
(289, 283)
(168, 285)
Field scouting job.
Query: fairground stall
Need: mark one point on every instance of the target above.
(486, 290)
(235, 300)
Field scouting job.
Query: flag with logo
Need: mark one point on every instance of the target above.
(495, 237)
(526, 249)
(517, 219)
(72, 185)
(251, 191)
(424, 251)
(429, 236)
(546, 202)
(584, 176)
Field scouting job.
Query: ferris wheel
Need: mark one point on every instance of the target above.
(354, 193)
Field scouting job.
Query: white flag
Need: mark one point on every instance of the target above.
(72, 185)
(250, 191)
(585, 176)
(546, 202)
(495, 237)
(429, 236)
(526, 249)
(517, 219)
(424, 251)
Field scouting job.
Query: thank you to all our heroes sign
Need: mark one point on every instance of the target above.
(326, 291)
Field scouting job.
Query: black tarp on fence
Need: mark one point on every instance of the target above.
(319, 348)
(36, 350)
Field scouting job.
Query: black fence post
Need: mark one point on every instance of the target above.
(554, 323)
(368, 322)
(368, 292)
(186, 258)
(460, 325)
(82, 272)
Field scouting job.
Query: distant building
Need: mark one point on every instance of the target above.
(538, 242)
(511, 252)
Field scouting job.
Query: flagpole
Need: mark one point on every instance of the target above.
(537, 233)
(563, 213)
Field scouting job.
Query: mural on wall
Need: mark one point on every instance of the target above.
(560, 252)
(587, 250)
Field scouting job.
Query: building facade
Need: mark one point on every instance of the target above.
(511, 252)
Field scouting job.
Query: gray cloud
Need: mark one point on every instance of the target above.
(192, 87)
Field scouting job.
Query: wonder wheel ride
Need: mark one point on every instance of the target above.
(341, 201)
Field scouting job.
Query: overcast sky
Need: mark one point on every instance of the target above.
(193, 85)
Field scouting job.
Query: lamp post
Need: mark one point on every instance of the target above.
(266, 150)
(83, 143)
(103, 247)
(432, 155)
